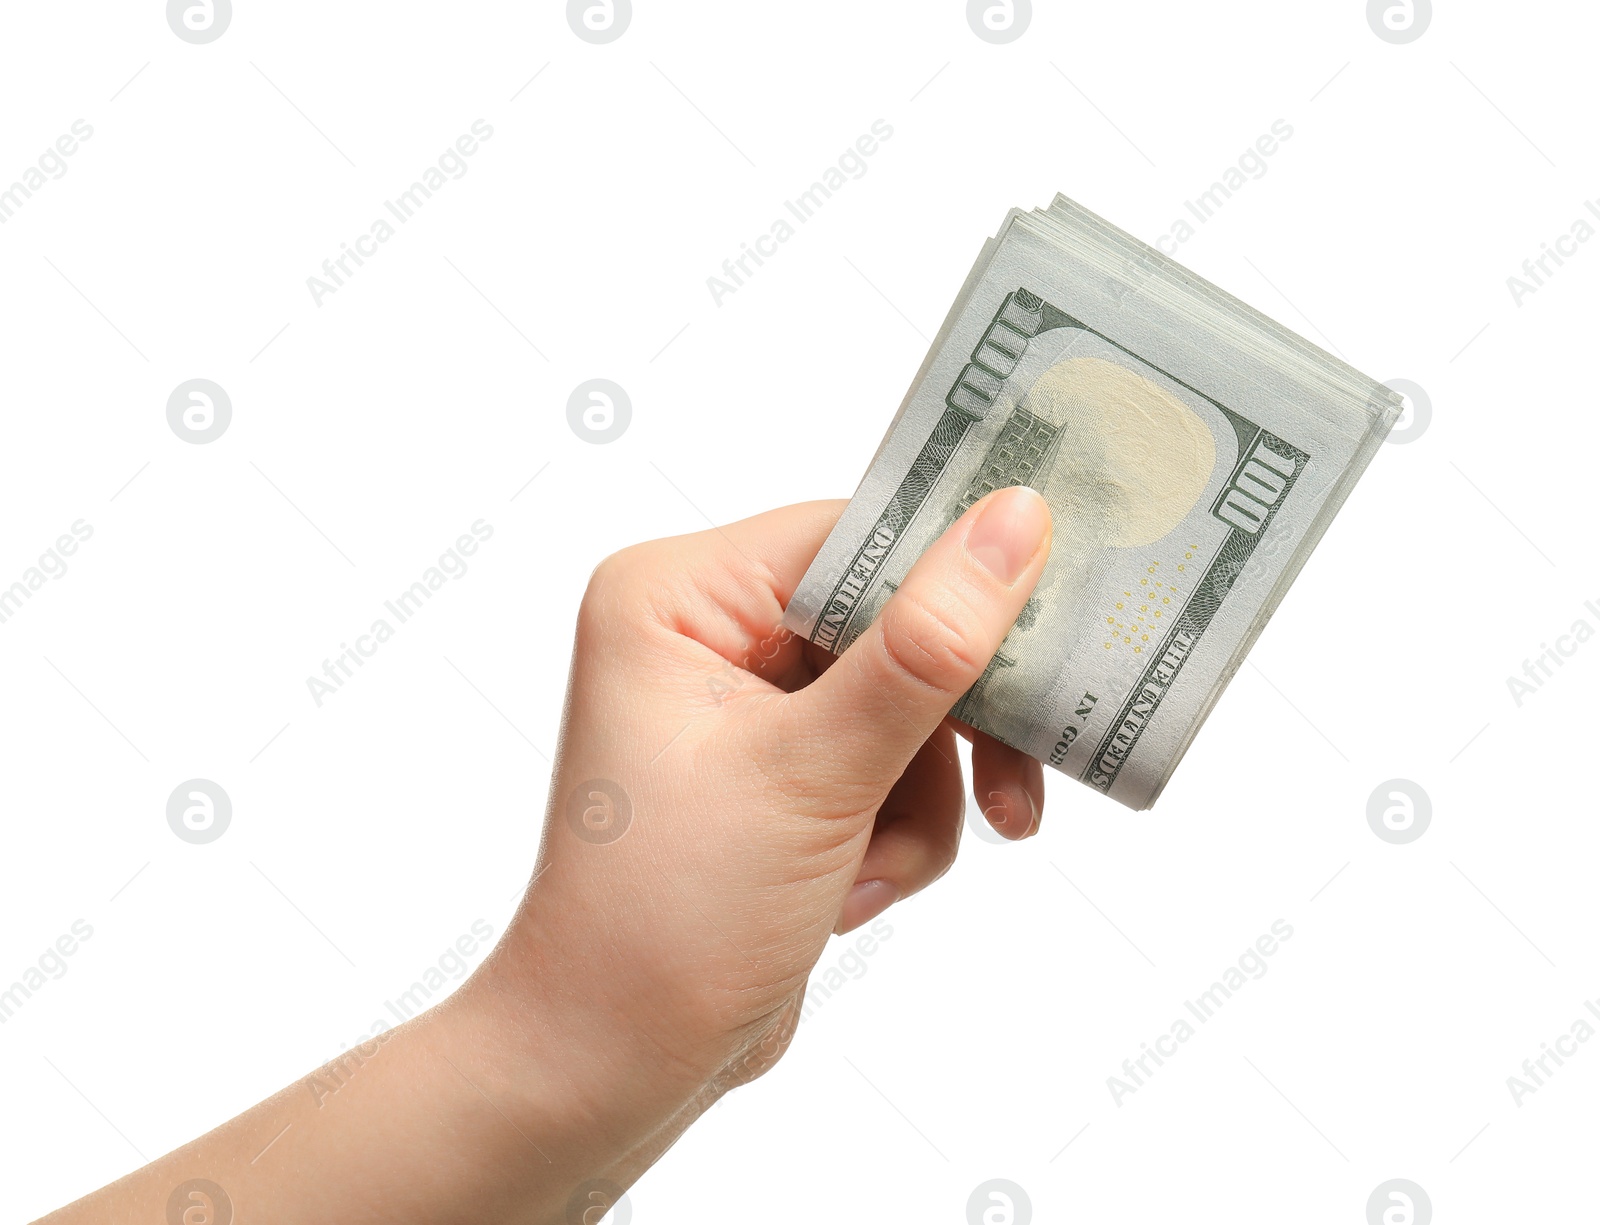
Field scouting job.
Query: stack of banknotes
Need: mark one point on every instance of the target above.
(1192, 451)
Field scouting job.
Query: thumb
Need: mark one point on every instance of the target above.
(931, 640)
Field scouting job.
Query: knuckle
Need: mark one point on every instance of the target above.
(928, 859)
(936, 642)
(614, 583)
(947, 843)
(944, 859)
(617, 571)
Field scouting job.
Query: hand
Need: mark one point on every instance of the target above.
(724, 796)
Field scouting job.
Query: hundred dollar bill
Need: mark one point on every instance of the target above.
(1192, 452)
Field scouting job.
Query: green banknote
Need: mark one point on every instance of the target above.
(1192, 452)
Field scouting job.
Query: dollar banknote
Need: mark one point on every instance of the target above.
(1192, 452)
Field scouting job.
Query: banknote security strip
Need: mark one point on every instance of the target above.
(1192, 451)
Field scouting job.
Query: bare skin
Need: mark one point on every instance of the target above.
(725, 797)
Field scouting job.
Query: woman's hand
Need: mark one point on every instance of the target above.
(724, 797)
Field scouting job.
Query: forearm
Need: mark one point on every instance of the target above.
(450, 1117)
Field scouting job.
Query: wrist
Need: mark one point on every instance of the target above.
(572, 1066)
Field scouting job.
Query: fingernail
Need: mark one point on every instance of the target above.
(866, 900)
(1009, 531)
(1034, 805)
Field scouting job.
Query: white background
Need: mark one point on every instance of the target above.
(372, 430)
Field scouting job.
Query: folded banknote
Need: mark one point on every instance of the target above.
(1192, 452)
